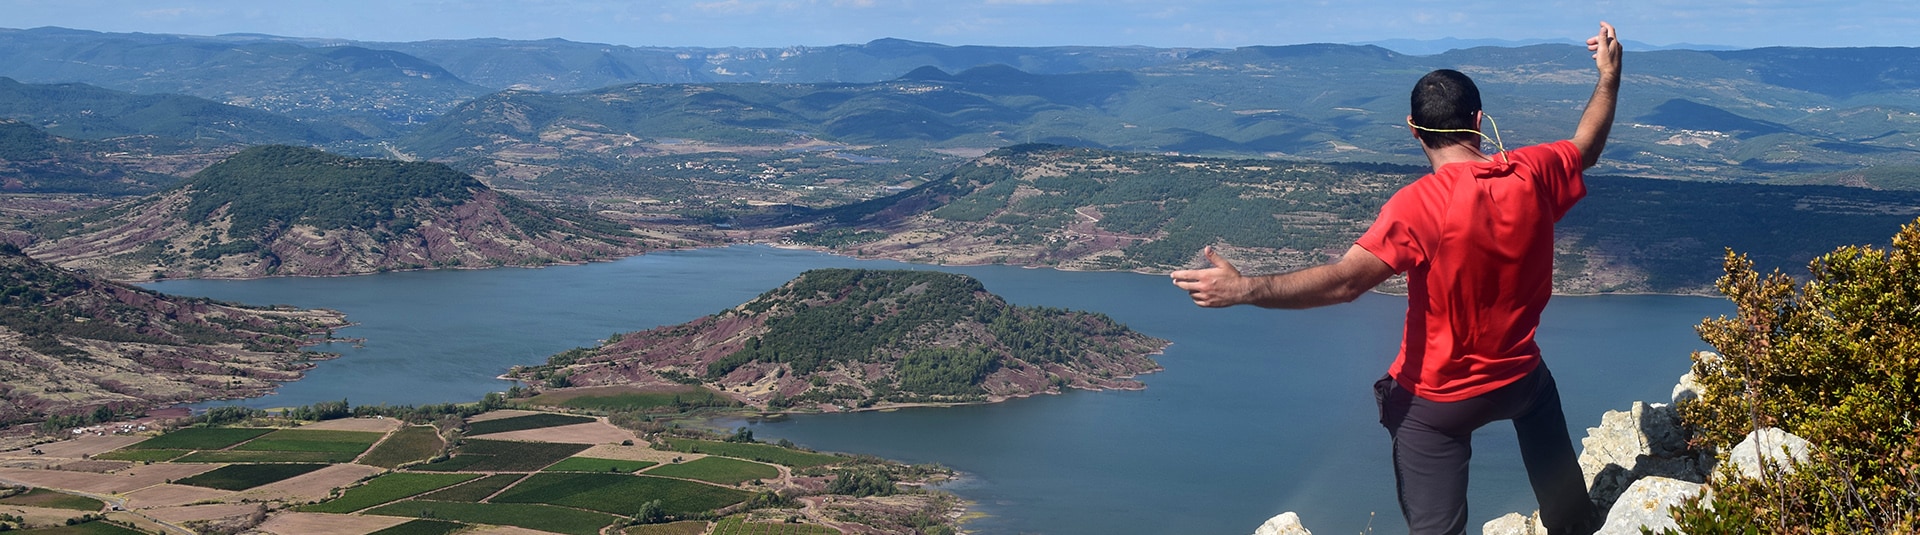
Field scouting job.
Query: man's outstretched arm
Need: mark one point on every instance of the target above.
(1597, 122)
(1341, 281)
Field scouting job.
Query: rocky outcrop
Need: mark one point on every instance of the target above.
(1282, 524)
(1648, 503)
(1780, 449)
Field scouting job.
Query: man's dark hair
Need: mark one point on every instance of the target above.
(1446, 100)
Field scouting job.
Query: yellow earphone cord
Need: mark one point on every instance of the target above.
(1495, 138)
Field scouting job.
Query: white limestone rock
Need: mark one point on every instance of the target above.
(1645, 440)
(1514, 524)
(1687, 389)
(1780, 447)
(1647, 504)
(1282, 524)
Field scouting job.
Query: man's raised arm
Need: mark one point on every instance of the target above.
(1597, 122)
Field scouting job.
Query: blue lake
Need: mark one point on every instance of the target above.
(1257, 412)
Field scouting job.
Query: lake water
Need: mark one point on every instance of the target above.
(1257, 412)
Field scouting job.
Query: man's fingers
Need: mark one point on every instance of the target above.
(1218, 262)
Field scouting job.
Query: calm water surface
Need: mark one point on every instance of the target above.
(1257, 412)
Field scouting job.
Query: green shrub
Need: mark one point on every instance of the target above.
(1835, 361)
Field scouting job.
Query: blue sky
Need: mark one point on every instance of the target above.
(1162, 23)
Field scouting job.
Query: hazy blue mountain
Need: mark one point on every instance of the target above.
(1425, 47)
(284, 77)
(1689, 114)
(83, 111)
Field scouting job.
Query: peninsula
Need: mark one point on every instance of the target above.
(845, 339)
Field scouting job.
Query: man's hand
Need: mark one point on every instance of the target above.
(1217, 286)
(1606, 50)
(1595, 123)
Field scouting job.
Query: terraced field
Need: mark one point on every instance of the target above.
(619, 494)
(246, 476)
(387, 488)
(408, 444)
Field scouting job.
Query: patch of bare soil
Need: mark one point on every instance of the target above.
(98, 467)
(377, 425)
(85, 446)
(636, 453)
(586, 433)
(500, 414)
(188, 513)
(127, 480)
(40, 516)
(169, 495)
(312, 486)
(291, 523)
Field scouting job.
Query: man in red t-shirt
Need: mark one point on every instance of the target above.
(1475, 239)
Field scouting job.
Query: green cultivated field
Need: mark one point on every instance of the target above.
(504, 456)
(620, 494)
(526, 515)
(408, 444)
(591, 464)
(625, 401)
(474, 491)
(201, 438)
(127, 454)
(246, 476)
(758, 452)
(237, 456)
(735, 525)
(423, 527)
(521, 423)
(351, 443)
(693, 527)
(56, 500)
(718, 470)
(385, 489)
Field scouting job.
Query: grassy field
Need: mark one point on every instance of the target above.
(620, 494)
(156, 456)
(718, 470)
(694, 527)
(385, 489)
(735, 525)
(201, 438)
(504, 456)
(423, 527)
(246, 476)
(56, 500)
(90, 528)
(607, 399)
(344, 442)
(237, 456)
(590, 464)
(408, 444)
(758, 452)
(526, 515)
(474, 491)
(521, 423)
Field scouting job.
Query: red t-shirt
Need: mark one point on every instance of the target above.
(1476, 243)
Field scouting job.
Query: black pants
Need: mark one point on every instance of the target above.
(1432, 442)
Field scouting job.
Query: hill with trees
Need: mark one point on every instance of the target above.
(1094, 209)
(34, 161)
(76, 349)
(836, 339)
(280, 210)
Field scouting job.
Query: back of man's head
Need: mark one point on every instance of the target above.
(1446, 100)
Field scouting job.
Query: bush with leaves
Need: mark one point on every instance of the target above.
(1835, 361)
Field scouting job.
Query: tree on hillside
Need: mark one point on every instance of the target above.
(1835, 361)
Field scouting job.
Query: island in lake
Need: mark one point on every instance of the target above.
(846, 339)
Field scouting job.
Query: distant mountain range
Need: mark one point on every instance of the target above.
(1704, 115)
